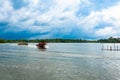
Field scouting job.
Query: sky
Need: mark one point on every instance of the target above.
(67, 19)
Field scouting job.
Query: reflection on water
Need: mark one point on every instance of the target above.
(61, 61)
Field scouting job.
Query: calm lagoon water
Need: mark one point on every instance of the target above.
(61, 61)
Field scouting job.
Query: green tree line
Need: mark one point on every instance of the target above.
(109, 40)
(47, 40)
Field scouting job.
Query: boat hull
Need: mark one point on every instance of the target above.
(42, 45)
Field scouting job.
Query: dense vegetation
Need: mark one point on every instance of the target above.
(2, 41)
(48, 40)
(109, 40)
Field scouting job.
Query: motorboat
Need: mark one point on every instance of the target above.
(22, 43)
(42, 45)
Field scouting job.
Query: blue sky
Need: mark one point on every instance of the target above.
(74, 19)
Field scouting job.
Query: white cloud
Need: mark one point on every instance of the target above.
(89, 23)
(107, 31)
(5, 9)
(60, 14)
(105, 16)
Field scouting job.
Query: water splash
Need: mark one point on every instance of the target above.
(32, 45)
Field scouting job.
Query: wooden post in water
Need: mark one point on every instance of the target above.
(114, 46)
(102, 46)
(107, 47)
(117, 48)
(110, 48)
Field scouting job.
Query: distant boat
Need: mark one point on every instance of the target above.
(42, 45)
(22, 43)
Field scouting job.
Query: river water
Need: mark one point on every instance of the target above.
(61, 61)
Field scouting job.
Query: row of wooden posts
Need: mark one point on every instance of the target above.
(111, 47)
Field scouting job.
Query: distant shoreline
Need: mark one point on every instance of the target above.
(109, 40)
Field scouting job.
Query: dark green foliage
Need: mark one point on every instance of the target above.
(58, 40)
(109, 40)
(48, 40)
(2, 41)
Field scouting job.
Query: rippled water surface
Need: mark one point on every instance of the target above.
(61, 61)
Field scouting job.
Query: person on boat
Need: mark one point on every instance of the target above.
(41, 45)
